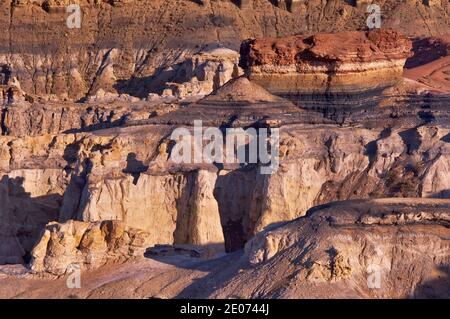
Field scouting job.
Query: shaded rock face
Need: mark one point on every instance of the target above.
(348, 62)
(428, 49)
(238, 103)
(385, 248)
(196, 74)
(42, 118)
(182, 210)
(27, 204)
(85, 244)
(111, 161)
(117, 166)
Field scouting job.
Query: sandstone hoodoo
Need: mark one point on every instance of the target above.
(346, 62)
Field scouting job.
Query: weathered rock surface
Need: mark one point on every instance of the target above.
(203, 73)
(127, 47)
(126, 174)
(346, 63)
(238, 103)
(42, 118)
(385, 248)
(85, 150)
(88, 245)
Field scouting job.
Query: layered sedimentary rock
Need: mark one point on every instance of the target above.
(183, 210)
(237, 103)
(41, 118)
(203, 73)
(385, 248)
(82, 164)
(125, 48)
(198, 74)
(346, 63)
(126, 174)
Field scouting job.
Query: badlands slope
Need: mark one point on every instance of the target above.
(86, 174)
(333, 252)
(131, 47)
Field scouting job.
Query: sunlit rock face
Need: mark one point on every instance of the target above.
(346, 62)
(85, 244)
(87, 175)
(383, 248)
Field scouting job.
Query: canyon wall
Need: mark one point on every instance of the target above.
(106, 176)
(87, 114)
(130, 47)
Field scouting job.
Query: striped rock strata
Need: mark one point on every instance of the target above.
(346, 62)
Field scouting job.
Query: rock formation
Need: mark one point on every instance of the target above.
(124, 48)
(114, 174)
(237, 103)
(371, 249)
(383, 248)
(86, 245)
(88, 177)
(345, 63)
(203, 73)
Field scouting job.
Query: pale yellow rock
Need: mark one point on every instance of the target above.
(88, 245)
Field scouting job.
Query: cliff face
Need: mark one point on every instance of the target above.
(348, 62)
(384, 248)
(100, 161)
(128, 47)
(351, 249)
(124, 174)
(88, 245)
(329, 164)
(85, 151)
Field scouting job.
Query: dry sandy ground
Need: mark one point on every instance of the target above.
(435, 75)
(430, 64)
(164, 277)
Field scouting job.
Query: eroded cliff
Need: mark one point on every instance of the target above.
(87, 175)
